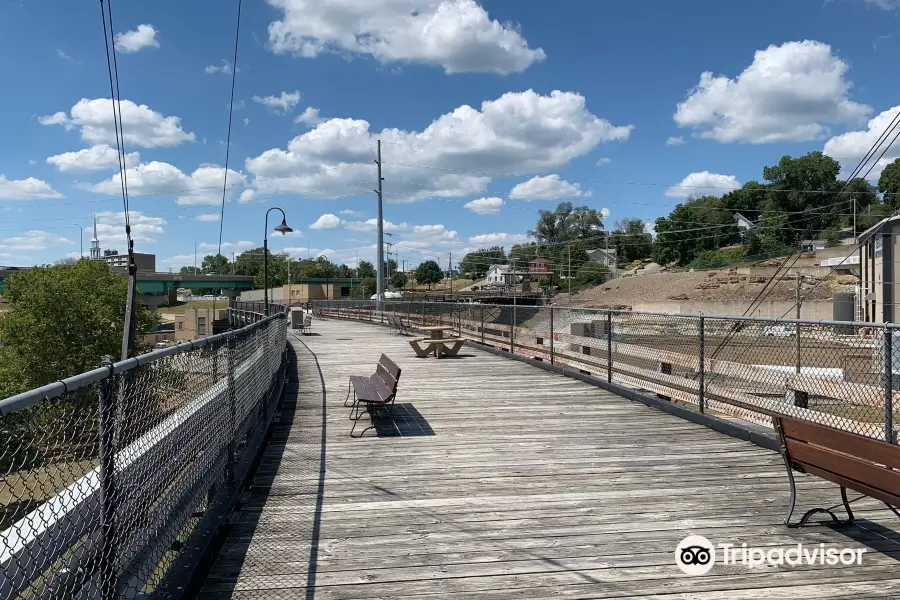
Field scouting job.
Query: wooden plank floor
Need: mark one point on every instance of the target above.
(506, 481)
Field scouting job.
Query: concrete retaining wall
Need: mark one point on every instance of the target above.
(815, 310)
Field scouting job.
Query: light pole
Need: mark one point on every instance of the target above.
(283, 228)
(80, 238)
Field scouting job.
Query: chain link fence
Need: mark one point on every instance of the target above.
(107, 476)
(840, 374)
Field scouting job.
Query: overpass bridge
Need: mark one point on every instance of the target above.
(168, 283)
(222, 468)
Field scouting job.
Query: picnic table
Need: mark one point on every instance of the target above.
(437, 343)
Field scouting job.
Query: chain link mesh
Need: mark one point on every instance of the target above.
(843, 375)
(105, 482)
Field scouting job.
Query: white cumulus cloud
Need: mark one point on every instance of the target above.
(285, 102)
(548, 187)
(136, 40)
(603, 161)
(310, 117)
(457, 35)
(485, 206)
(519, 133)
(703, 183)
(226, 246)
(144, 228)
(224, 68)
(850, 148)
(26, 189)
(202, 187)
(95, 158)
(142, 126)
(789, 93)
(501, 239)
(675, 141)
(33, 240)
(208, 217)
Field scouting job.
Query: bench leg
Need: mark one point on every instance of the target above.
(813, 511)
(347, 399)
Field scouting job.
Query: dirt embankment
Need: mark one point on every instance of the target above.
(705, 285)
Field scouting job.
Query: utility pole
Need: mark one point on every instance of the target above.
(569, 278)
(289, 280)
(854, 220)
(450, 269)
(195, 257)
(379, 282)
(232, 263)
(797, 326)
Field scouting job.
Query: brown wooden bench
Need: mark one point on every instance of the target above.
(377, 390)
(850, 460)
(397, 325)
(439, 346)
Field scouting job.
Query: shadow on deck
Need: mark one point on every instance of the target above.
(497, 480)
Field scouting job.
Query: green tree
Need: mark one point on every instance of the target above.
(584, 222)
(805, 189)
(429, 273)
(700, 224)
(190, 270)
(522, 254)
(62, 320)
(591, 273)
(365, 289)
(366, 269)
(250, 262)
(553, 225)
(631, 241)
(398, 280)
(346, 272)
(277, 271)
(476, 264)
(214, 264)
(889, 184)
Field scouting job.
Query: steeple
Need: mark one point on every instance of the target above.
(95, 243)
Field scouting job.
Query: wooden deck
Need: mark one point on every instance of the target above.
(504, 481)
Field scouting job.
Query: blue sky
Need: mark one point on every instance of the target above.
(488, 112)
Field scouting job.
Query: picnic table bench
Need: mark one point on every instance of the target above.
(375, 391)
(850, 460)
(438, 346)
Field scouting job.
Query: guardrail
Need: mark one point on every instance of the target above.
(114, 481)
(840, 374)
(241, 313)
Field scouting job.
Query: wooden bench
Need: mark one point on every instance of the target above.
(440, 346)
(397, 325)
(850, 460)
(377, 390)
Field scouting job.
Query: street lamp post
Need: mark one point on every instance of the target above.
(283, 228)
(81, 238)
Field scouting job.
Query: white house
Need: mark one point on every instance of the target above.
(604, 256)
(744, 223)
(499, 275)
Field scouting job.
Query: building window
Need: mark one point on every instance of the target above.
(201, 325)
(180, 325)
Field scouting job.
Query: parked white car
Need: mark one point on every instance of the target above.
(780, 331)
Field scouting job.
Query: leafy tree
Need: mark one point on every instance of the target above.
(250, 262)
(277, 271)
(390, 266)
(774, 228)
(66, 261)
(591, 273)
(584, 222)
(700, 224)
(62, 320)
(553, 225)
(747, 200)
(873, 213)
(214, 264)
(365, 289)
(366, 269)
(631, 241)
(522, 254)
(429, 273)
(398, 280)
(318, 268)
(804, 188)
(190, 270)
(889, 184)
(477, 263)
(346, 272)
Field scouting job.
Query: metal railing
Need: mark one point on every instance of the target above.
(113, 480)
(841, 374)
(242, 313)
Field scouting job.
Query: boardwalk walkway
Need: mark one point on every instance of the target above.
(504, 481)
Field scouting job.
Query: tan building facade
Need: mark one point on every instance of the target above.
(200, 322)
(301, 293)
(879, 264)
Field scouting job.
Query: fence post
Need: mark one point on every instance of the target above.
(609, 358)
(482, 323)
(108, 550)
(888, 385)
(702, 365)
(552, 359)
(512, 331)
(232, 409)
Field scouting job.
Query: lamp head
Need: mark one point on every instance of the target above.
(283, 228)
